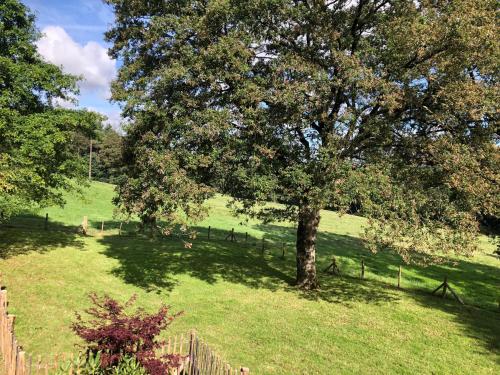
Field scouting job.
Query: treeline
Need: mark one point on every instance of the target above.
(107, 147)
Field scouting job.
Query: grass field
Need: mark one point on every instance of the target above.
(242, 302)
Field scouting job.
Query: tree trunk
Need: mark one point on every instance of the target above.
(306, 248)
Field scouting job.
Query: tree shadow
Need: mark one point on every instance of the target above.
(478, 324)
(27, 233)
(155, 265)
(479, 282)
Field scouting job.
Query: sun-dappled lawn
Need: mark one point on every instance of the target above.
(242, 302)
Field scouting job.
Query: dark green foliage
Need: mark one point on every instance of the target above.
(36, 159)
(107, 154)
(389, 105)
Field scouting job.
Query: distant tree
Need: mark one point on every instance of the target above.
(107, 153)
(36, 159)
(108, 156)
(388, 105)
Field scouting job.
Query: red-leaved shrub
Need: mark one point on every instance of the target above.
(116, 334)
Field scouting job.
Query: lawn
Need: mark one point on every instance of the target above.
(241, 301)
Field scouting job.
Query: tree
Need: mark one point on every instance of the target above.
(36, 160)
(108, 156)
(107, 150)
(387, 104)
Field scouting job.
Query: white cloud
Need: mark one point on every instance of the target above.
(62, 103)
(90, 60)
(113, 116)
(115, 120)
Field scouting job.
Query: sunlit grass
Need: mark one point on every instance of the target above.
(242, 302)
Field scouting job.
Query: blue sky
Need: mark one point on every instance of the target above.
(73, 37)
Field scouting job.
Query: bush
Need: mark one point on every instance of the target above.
(90, 364)
(115, 337)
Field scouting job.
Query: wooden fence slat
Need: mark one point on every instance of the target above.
(39, 365)
(21, 363)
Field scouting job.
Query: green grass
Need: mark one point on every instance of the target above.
(242, 302)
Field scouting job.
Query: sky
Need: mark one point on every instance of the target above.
(73, 37)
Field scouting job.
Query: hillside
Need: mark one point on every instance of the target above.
(241, 301)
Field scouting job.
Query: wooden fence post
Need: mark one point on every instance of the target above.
(445, 286)
(11, 356)
(85, 225)
(120, 230)
(46, 224)
(102, 227)
(192, 337)
(399, 277)
(38, 364)
(21, 363)
(362, 269)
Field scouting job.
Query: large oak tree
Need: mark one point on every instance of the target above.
(388, 104)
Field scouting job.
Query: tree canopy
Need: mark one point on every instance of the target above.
(107, 149)
(388, 104)
(36, 157)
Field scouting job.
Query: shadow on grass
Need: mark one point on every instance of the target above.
(478, 282)
(155, 264)
(25, 234)
(479, 324)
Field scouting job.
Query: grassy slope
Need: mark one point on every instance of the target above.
(241, 301)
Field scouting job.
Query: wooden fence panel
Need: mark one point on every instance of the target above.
(15, 360)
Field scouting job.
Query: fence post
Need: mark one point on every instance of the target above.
(102, 227)
(399, 277)
(362, 269)
(12, 355)
(71, 361)
(445, 286)
(232, 234)
(192, 336)
(3, 323)
(120, 230)
(85, 225)
(46, 224)
(21, 363)
(38, 364)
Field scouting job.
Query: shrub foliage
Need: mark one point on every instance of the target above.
(117, 335)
